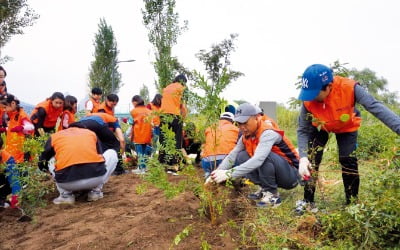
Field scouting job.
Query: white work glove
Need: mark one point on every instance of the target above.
(220, 175)
(208, 180)
(304, 165)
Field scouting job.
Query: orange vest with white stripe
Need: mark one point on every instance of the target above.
(15, 140)
(75, 146)
(337, 112)
(52, 113)
(142, 129)
(171, 98)
(221, 139)
(285, 148)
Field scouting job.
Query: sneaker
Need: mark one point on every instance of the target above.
(302, 206)
(95, 195)
(64, 198)
(139, 171)
(256, 195)
(269, 199)
(4, 204)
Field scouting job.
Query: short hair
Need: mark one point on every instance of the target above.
(97, 91)
(180, 78)
(138, 99)
(112, 98)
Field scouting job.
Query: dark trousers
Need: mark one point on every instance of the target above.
(347, 143)
(175, 125)
(273, 173)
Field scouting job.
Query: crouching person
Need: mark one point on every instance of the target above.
(78, 164)
(263, 154)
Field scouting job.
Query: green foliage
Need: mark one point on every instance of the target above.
(162, 22)
(14, 15)
(36, 184)
(104, 69)
(182, 235)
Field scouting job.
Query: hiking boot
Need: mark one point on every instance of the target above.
(95, 195)
(302, 206)
(64, 198)
(269, 200)
(139, 171)
(256, 195)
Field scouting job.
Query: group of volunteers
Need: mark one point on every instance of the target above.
(82, 154)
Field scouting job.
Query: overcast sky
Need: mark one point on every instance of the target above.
(277, 41)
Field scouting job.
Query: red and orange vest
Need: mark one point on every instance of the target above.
(75, 146)
(336, 113)
(52, 113)
(221, 139)
(285, 148)
(15, 140)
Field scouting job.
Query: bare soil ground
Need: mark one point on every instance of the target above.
(123, 219)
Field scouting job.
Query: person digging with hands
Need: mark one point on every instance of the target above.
(329, 107)
(263, 154)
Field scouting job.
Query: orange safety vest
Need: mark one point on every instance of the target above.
(75, 146)
(5, 156)
(107, 118)
(71, 118)
(284, 149)
(96, 105)
(141, 132)
(269, 120)
(107, 109)
(52, 113)
(336, 113)
(221, 139)
(154, 114)
(171, 99)
(15, 140)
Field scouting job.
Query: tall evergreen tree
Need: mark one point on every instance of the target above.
(104, 69)
(162, 22)
(14, 15)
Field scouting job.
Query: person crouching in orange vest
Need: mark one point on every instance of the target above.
(74, 158)
(46, 113)
(263, 154)
(220, 139)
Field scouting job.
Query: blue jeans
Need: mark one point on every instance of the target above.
(12, 174)
(143, 151)
(209, 166)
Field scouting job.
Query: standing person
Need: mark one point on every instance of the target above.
(93, 104)
(263, 154)
(173, 111)
(155, 106)
(46, 113)
(109, 104)
(109, 132)
(78, 165)
(19, 126)
(220, 139)
(141, 132)
(9, 179)
(68, 115)
(330, 101)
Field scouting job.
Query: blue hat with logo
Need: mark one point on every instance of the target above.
(314, 78)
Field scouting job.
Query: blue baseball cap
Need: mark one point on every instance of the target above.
(314, 78)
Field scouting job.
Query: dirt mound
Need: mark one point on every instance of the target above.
(131, 215)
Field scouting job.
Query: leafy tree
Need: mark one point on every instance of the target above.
(144, 93)
(14, 15)
(104, 69)
(219, 76)
(162, 22)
